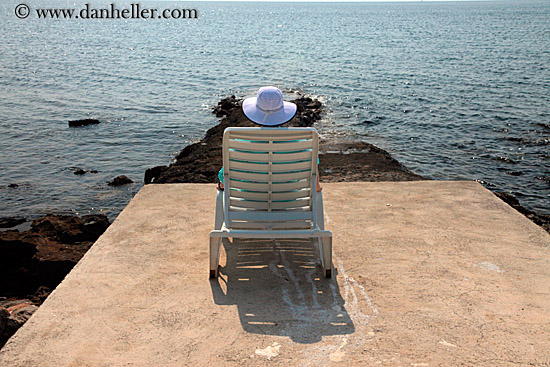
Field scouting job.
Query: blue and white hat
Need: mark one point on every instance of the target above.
(268, 108)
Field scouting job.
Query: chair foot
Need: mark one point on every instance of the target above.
(328, 273)
(215, 244)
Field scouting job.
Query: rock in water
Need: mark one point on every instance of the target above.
(10, 222)
(120, 180)
(84, 122)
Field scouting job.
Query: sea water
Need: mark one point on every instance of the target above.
(453, 90)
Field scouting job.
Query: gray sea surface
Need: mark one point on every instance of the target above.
(453, 90)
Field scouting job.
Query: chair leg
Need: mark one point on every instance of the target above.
(320, 247)
(215, 246)
(219, 210)
(320, 210)
(327, 256)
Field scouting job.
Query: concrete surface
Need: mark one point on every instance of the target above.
(428, 273)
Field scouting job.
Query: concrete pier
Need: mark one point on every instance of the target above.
(426, 273)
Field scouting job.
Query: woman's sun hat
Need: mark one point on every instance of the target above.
(268, 108)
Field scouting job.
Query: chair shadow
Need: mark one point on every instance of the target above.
(279, 289)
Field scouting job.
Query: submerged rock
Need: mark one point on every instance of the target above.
(10, 222)
(514, 173)
(80, 171)
(505, 160)
(84, 122)
(120, 180)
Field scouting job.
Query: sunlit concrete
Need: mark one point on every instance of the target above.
(427, 273)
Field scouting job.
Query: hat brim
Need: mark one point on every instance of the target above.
(268, 119)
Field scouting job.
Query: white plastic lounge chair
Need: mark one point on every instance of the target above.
(270, 177)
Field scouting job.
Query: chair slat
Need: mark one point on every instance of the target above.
(299, 224)
(290, 204)
(264, 196)
(287, 167)
(264, 166)
(249, 166)
(254, 136)
(277, 187)
(259, 147)
(291, 195)
(280, 177)
(263, 205)
(292, 157)
(270, 216)
(250, 185)
(251, 157)
(250, 195)
(249, 176)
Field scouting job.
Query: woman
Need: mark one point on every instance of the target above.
(268, 109)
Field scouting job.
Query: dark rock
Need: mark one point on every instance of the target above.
(518, 140)
(94, 226)
(71, 229)
(539, 219)
(226, 106)
(514, 173)
(13, 314)
(508, 198)
(120, 180)
(504, 159)
(40, 295)
(15, 251)
(13, 186)
(152, 173)
(9, 222)
(35, 261)
(80, 171)
(84, 122)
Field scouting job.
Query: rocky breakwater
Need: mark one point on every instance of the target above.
(35, 261)
(339, 160)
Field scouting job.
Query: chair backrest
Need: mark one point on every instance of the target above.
(270, 177)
